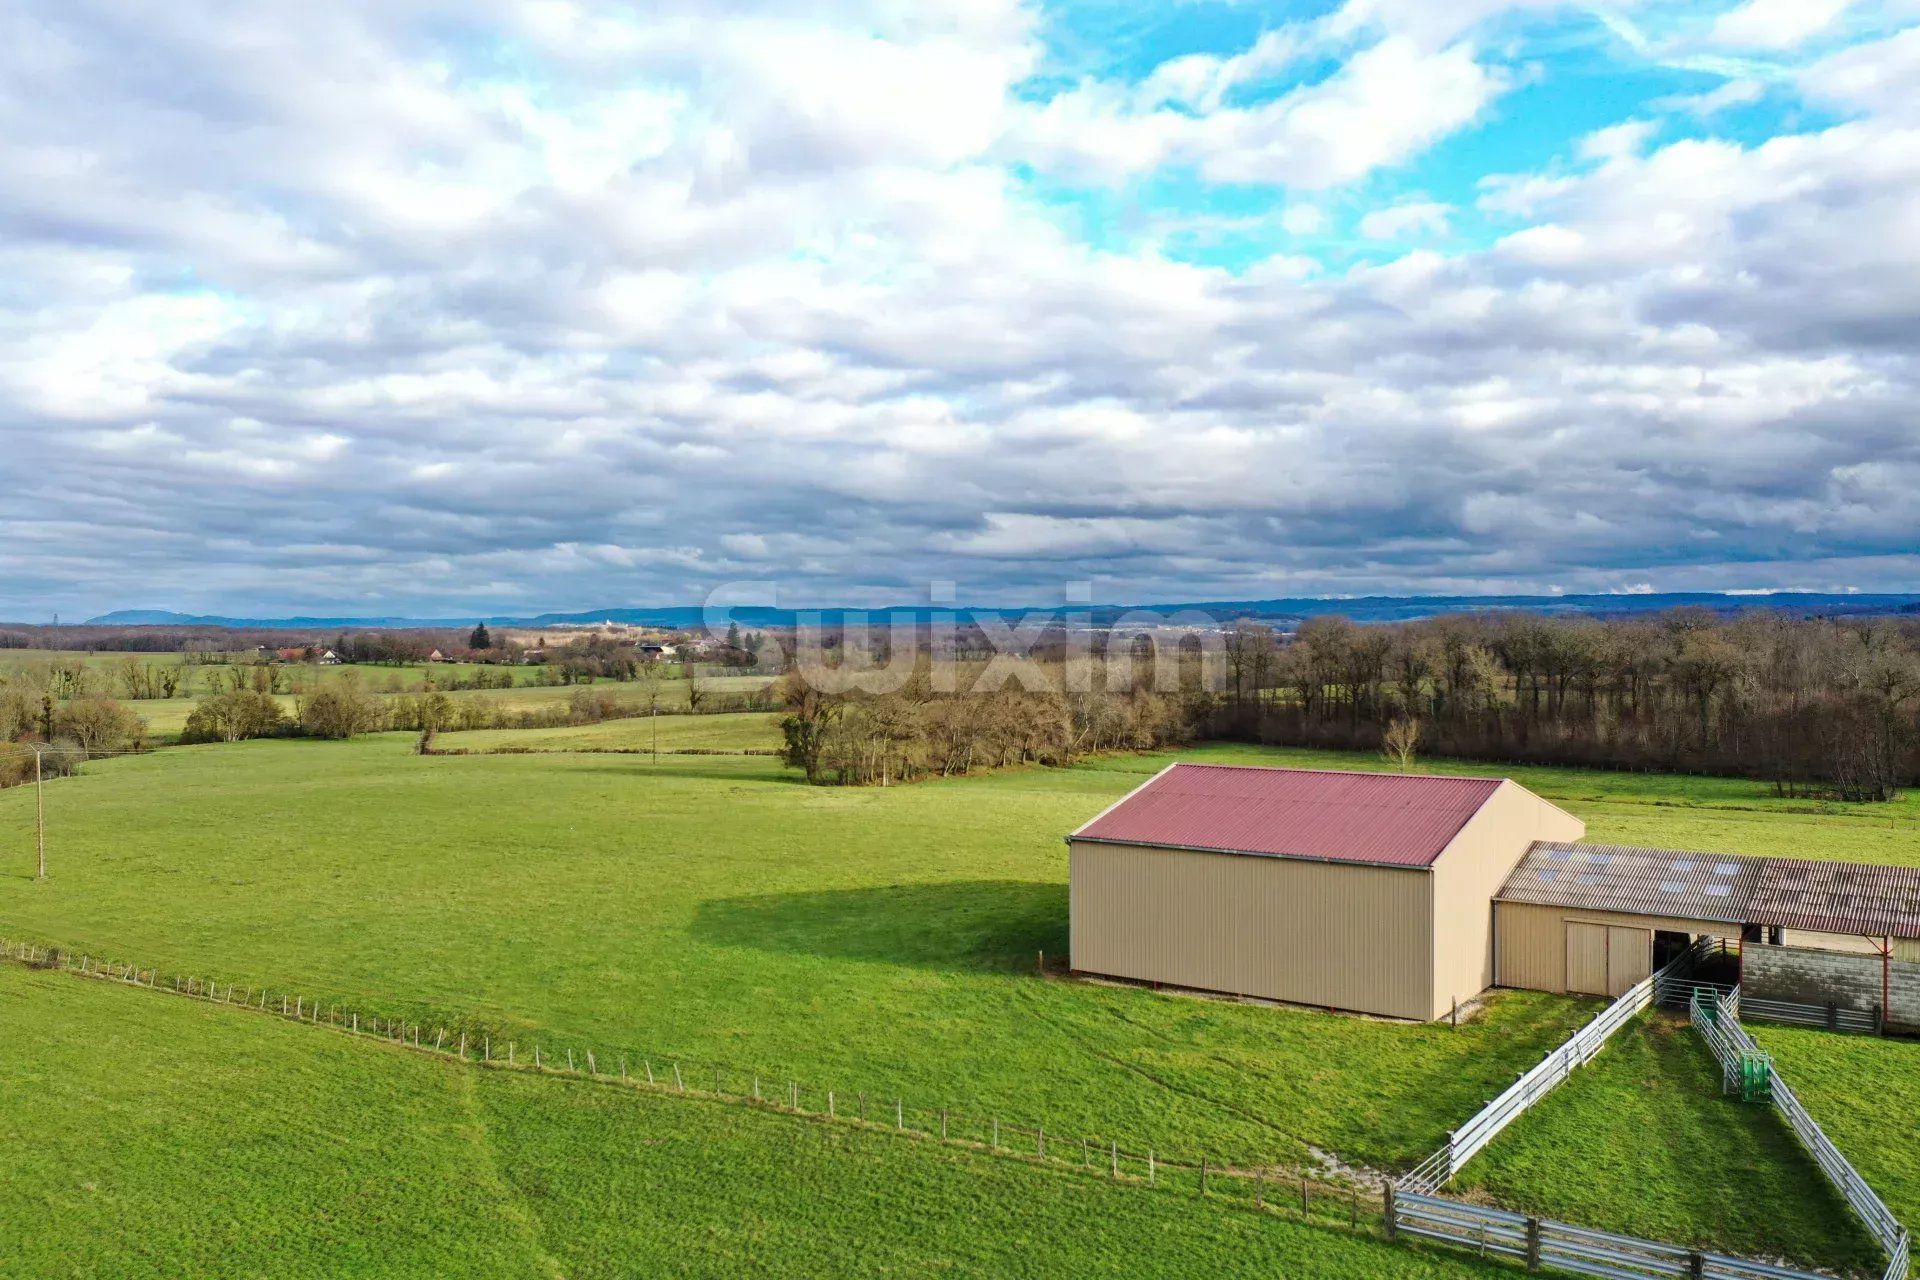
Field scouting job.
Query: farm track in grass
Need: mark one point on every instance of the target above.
(154, 1138)
(876, 939)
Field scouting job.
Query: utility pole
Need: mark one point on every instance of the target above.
(40, 815)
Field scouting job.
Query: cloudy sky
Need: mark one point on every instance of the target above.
(529, 304)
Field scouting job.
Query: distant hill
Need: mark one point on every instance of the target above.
(1281, 611)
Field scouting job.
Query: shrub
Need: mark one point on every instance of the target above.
(338, 709)
(231, 716)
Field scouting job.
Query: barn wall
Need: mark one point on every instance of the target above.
(1531, 940)
(1846, 978)
(1331, 934)
(1467, 875)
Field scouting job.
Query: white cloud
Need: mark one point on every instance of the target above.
(1776, 24)
(1617, 141)
(672, 295)
(1303, 219)
(1413, 217)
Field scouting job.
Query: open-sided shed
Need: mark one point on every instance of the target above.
(1592, 919)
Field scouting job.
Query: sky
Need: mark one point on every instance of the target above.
(516, 305)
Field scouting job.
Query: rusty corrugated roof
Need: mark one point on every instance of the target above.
(1724, 888)
(1649, 882)
(1387, 819)
(1839, 897)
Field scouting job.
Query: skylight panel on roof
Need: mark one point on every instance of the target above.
(1719, 890)
(1682, 864)
(1672, 886)
(1726, 868)
(1588, 877)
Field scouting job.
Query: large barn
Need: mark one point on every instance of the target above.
(1399, 895)
(1369, 892)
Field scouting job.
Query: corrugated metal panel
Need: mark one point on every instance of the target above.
(1470, 872)
(1384, 818)
(1714, 887)
(1838, 897)
(1332, 934)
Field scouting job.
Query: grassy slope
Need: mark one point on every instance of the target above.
(148, 1136)
(151, 1137)
(734, 731)
(1659, 1152)
(876, 939)
(712, 907)
(1866, 1094)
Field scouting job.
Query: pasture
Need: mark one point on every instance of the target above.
(727, 731)
(154, 1138)
(713, 908)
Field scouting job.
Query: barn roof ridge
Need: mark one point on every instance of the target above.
(1370, 817)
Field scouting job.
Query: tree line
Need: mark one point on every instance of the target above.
(1815, 706)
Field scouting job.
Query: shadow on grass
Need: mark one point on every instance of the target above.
(970, 925)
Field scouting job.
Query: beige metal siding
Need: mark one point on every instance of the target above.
(1906, 949)
(1533, 940)
(1333, 934)
(1586, 958)
(1629, 957)
(1470, 871)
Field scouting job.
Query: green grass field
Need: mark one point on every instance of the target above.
(150, 1137)
(1661, 1153)
(731, 731)
(879, 939)
(1865, 1093)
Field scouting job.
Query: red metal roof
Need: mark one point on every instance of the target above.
(1390, 819)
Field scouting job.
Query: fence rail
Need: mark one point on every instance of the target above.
(1832, 1017)
(1543, 1242)
(1719, 1025)
(1576, 1051)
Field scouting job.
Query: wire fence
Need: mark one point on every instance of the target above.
(1302, 1195)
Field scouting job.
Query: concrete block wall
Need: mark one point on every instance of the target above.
(1848, 979)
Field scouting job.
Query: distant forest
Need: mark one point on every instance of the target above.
(1814, 706)
(1817, 707)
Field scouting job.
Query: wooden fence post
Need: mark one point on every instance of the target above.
(1304, 1206)
(1203, 1175)
(1393, 1226)
(1259, 1187)
(1533, 1244)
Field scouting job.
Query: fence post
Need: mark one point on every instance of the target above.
(1259, 1187)
(1115, 1149)
(1203, 1175)
(899, 1113)
(1152, 1178)
(1533, 1244)
(1393, 1225)
(1696, 1264)
(1304, 1207)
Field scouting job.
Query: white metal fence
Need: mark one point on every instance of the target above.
(1719, 1024)
(1542, 1242)
(1438, 1169)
